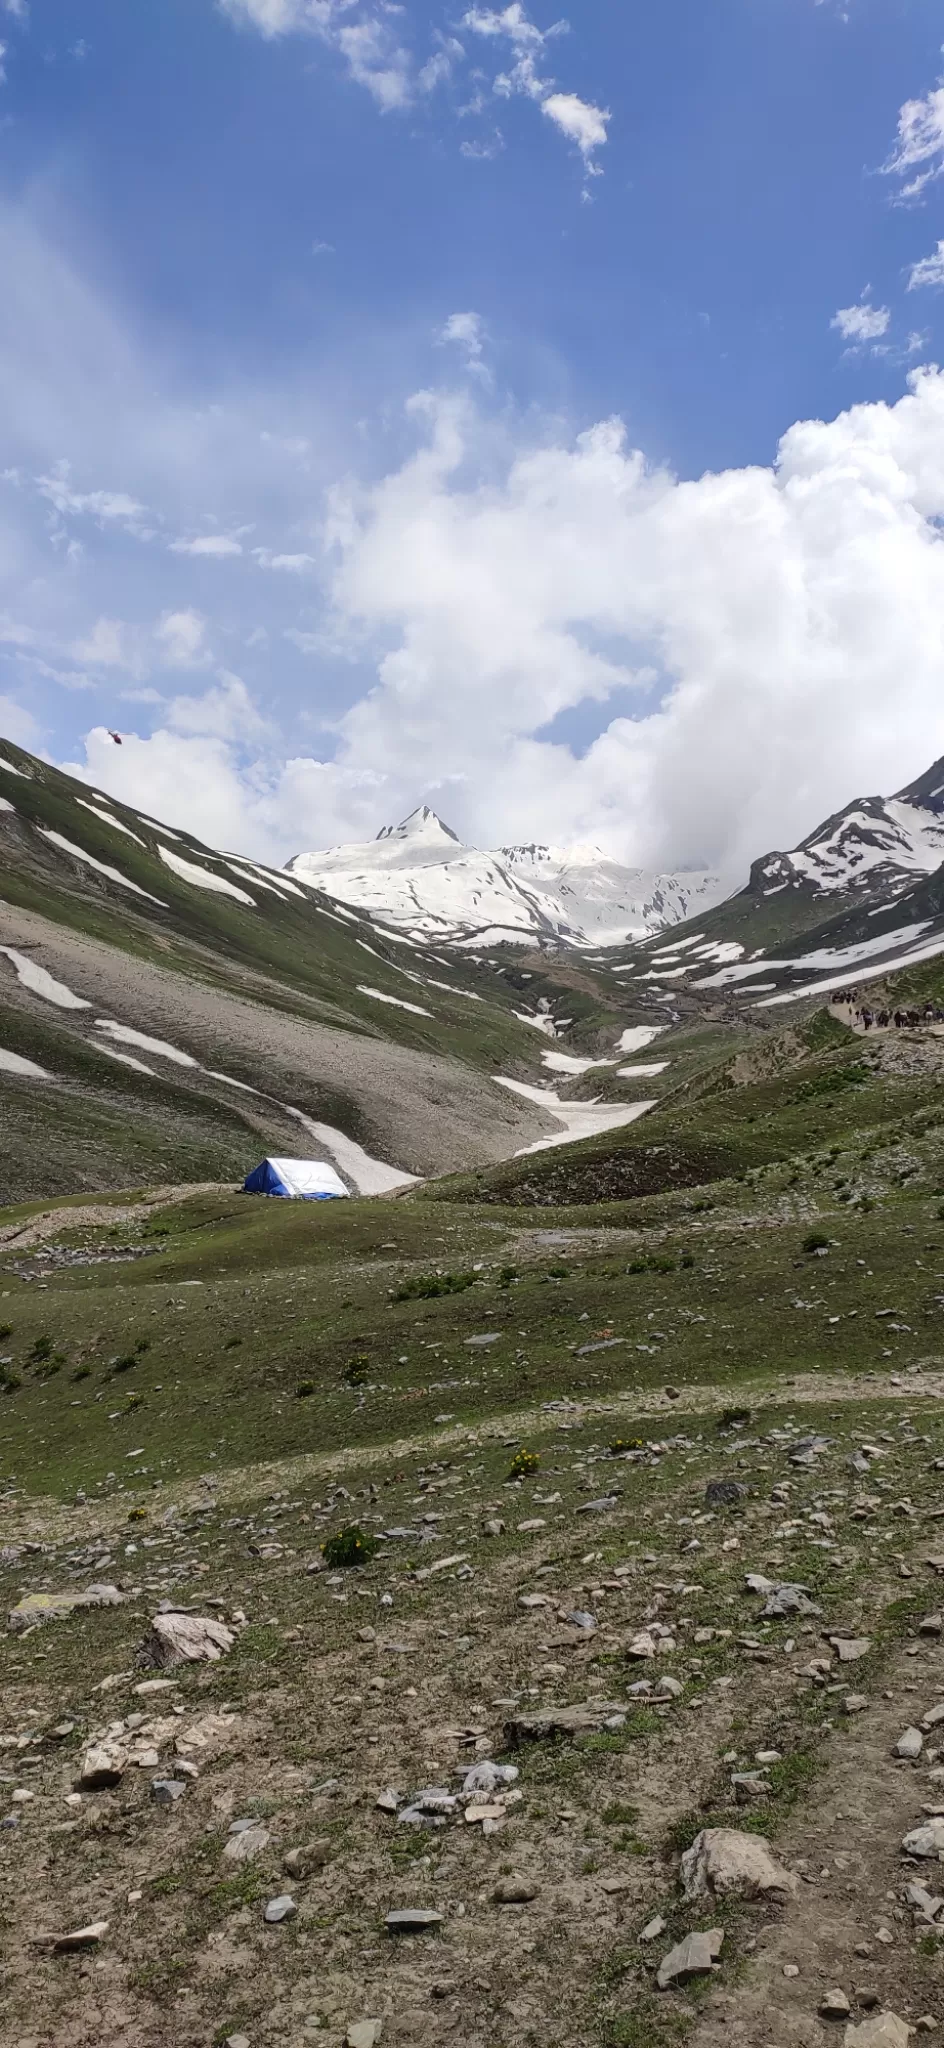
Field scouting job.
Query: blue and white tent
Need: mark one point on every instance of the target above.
(301, 1180)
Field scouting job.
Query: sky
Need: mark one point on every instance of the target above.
(533, 415)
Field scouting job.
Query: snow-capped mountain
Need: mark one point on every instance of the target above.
(876, 846)
(419, 879)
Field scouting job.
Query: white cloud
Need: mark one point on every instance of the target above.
(363, 35)
(295, 564)
(18, 9)
(929, 271)
(466, 331)
(918, 155)
(181, 639)
(116, 508)
(793, 617)
(861, 323)
(209, 544)
(106, 646)
(3, 68)
(225, 712)
(579, 120)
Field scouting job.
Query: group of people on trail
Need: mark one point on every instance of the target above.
(884, 1019)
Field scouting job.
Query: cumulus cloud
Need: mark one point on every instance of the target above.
(296, 565)
(748, 650)
(918, 155)
(861, 323)
(929, 271)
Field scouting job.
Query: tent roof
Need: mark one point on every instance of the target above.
(307, 1177)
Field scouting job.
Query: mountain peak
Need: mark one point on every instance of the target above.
(422, 824)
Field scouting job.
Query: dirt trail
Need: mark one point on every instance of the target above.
(53, 1222)
(44, 1516)
(847, 1839)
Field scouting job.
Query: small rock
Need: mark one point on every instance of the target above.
(723, 1493)
(932, 1625)
(412, 1920)
(849, 1649)
(277, 1910)
(791, 1969)
(834, 2005)
(236, 2041)
(854, 1703)
(693, 1957)
(910, 1744)
(494, 1527)
(310, 1856)
(249, 1842)
(514, 1891)
(363, 2034)
(653, 1929)
(388, 1801)
(166, 1791)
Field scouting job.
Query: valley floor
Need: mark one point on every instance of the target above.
(711, 1386)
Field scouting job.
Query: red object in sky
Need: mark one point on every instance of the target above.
(116, 736)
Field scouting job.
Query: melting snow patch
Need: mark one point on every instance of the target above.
(201, 878)
(100, 866)
(5, 804)
(543, 1022)
(105, 818)
(370, 1176)
(126, 1060)
(874, 973)
(9, 769)
(466, 992)
(643, 1072)
(638, 1035)
(566, 1062)
(155, 827)
(126, 1036)
(13, 1063)
(230, 1083)
(41, 983)
(577, 1119)
(378, 997)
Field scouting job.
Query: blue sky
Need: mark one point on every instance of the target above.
(315, 313)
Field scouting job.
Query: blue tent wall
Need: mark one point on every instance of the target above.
(264, 1181)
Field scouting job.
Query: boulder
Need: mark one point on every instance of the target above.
(37, 1608)
(880, 2030)
(927, 1840)
(550, 1724)
(178, 1638)
(729, 1864)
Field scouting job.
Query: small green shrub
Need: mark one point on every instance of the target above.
(733, 1418)
(142, 1344)
(41, 1350)
(82, 1372)
(815, 1241)
(231, 1343)
(625, 1443)
(126, 1363)
(304, 1390)
(49, 1367)
(6, 1330)
(350, 1546)
(524, 1464)
(426, 1286)
(557, 1272)
(10, 1382)
(507, 1274)
(357, 1370)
